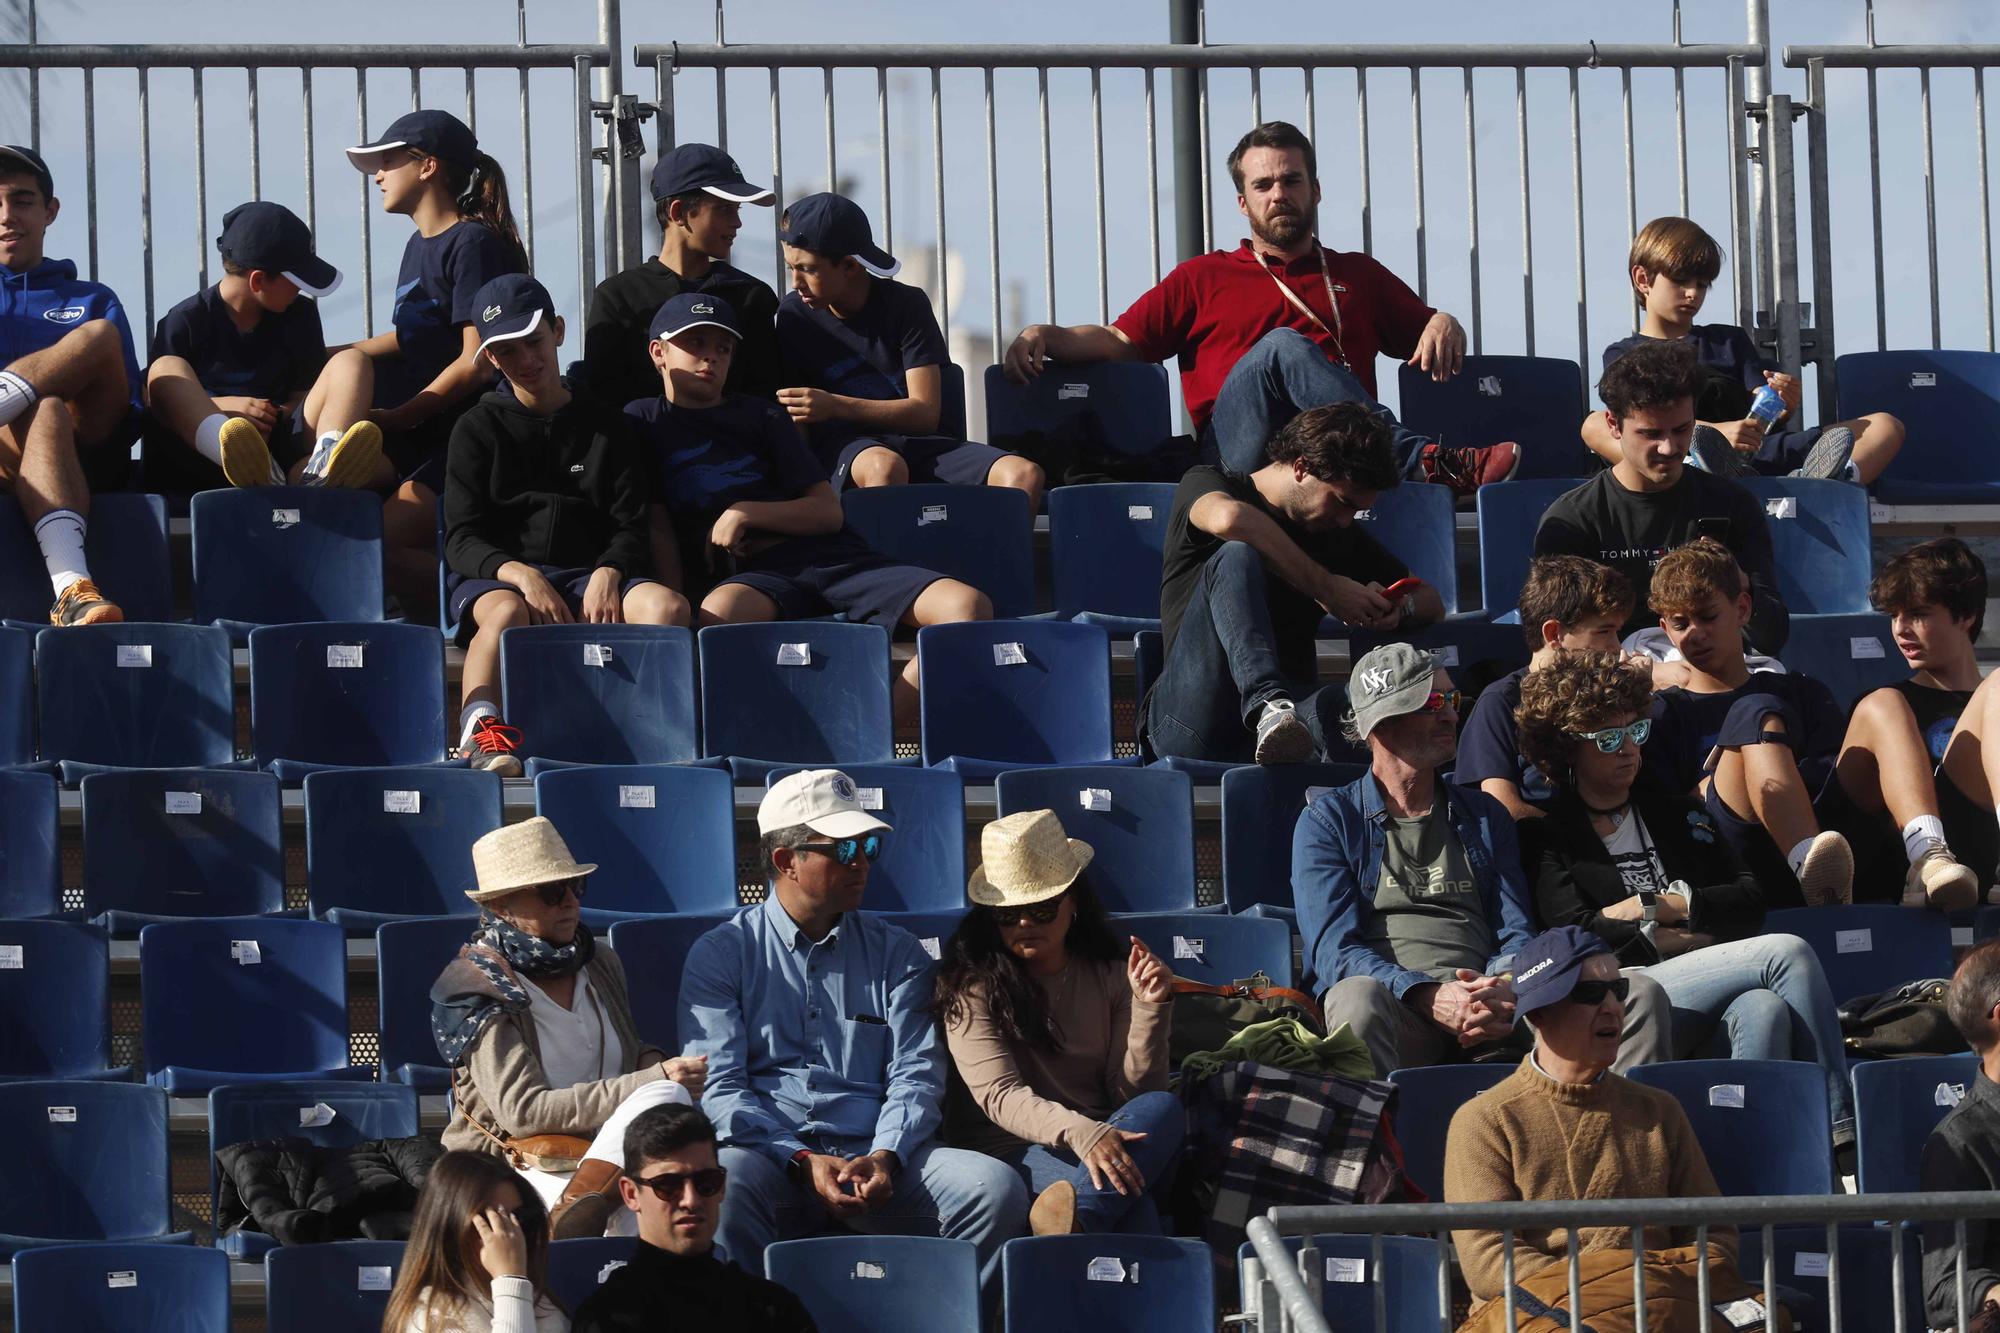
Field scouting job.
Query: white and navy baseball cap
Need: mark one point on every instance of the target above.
(704, 167)
(271, 237)
(691, 310)
(825, 800)
(512, 305)
(834, 225)
(16, 155)
(437, 133)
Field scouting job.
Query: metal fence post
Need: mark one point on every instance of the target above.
(1782, 224)
(1184, 27)
(1758, 76)
(1823, 349)
(622, 221)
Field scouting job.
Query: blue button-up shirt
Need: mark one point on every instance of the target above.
(827, 1044)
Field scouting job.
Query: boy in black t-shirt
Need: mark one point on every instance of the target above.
(743, 514)
(864, 360)
(239, 372)
(1251, 564)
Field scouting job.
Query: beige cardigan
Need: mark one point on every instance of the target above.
(501, 1082)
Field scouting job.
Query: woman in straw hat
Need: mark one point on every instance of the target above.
(533, 1020)
(1059, 1035)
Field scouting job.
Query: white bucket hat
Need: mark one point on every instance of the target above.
(521, 856)
(1025, 858)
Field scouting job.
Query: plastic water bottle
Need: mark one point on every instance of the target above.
(1766, 408)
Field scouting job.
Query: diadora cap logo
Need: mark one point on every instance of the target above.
(489, 314)
(702, 308)
(1542, 966)
(843, 787)
(1375, 679)
(68, 314)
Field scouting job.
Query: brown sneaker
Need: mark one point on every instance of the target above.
(1466, 470)
(587, 1201)
(82, 604)
(1826, 876)
(1054, 1211)
(1938, 880)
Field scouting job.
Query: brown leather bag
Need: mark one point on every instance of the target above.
(557, 1154)
(1606, 1304)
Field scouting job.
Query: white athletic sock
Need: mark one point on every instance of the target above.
(60, 535)
(469, 719)
(1797, 856)
(1919, 833)
(208, 437)
(16, 396)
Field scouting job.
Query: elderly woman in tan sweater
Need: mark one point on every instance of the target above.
(533, 1019)
(1059, 1036)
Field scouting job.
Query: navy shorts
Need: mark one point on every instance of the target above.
(863, 584)
(929, 457)
(460, 593)
(1784, 451)
(1744, 725)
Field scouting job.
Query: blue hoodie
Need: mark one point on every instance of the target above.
(38, 307)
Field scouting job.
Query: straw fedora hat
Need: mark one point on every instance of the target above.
(521, 856)
(1025, 858)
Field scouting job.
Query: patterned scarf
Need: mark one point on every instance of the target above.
(484, 981)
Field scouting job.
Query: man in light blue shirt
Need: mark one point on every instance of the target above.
(826, 1073)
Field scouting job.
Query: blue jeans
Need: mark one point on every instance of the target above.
(1768, 997)
(1224, 666)
(939, 1192)
(1281, 376)
(1157, 1115)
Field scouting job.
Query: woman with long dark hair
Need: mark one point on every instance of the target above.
(1059, 1035)
(478, 1256)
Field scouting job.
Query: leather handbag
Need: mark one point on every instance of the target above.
(557, 1154)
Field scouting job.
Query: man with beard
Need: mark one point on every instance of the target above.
(1278, 325)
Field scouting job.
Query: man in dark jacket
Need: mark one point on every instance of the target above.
(675, 1279)
(545, 510)
(1963, 1153)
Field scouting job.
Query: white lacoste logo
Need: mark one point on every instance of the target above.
(489, 314)
(702, 308)
(576, 467)
(68, 314)
(1375, 679)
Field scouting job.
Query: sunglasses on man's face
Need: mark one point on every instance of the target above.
(1041, 913)
(1611, 740)
(1444, 699)
(668, 1185)
(846, 849)
(552, 895)
(1592, 993)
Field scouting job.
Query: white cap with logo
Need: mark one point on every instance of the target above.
(825, 800)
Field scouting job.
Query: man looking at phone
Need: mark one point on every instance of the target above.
(1252, 562)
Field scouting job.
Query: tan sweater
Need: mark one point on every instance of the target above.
(1533, 1138)
(501, 1082)
(1112, 1049)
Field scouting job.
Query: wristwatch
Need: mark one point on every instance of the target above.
(799, 1167)
(1650, 902)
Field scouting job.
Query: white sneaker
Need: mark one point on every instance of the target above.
(1281, 737)
(1938, 880)
(1826, 876)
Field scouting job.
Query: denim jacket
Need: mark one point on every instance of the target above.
(1337, 865)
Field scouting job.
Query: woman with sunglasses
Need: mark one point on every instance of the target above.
(1059, 1036)
(1651, 875)
(478, 1256)
(533, 1019)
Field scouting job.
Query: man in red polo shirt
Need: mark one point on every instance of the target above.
(1278, 325)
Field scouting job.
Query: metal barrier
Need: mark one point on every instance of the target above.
(1283, 1292)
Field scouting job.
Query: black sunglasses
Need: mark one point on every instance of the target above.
(1592, 993)
(846, 849)
(667, 1185)
(1040, 913)
(552, 895)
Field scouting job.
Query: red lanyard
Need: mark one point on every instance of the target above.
(1332, 302)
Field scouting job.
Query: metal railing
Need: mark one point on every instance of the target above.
(1283, 1289)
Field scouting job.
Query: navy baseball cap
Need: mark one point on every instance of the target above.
(512, 305)
(1546, 967)
(691, 310)
(438, 133)
(700, 166)
(834, 225)
(272, 237)
(14, 154)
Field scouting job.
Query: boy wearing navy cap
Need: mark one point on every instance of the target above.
(240, 371)
(698, 198)
(747, 511)
(544, 507)
(864, 359)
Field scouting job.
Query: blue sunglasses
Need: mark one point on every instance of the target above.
(846, 849)
(1612, 739)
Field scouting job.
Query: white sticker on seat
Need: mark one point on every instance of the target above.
(1726, 1094)
(1782, 506)
(1139, 513)
(1864, 645)
(1094, 798)
(1746, 1313)
(317, 1115)
(11, 957)
(1105, 1268)
(872, 1272)
(1342, 1269)
(1446, 655)
(795, 654)
(183, 802)
(402, 802)
(1009, 654)
(635, 797)
(62, 1115)
(1489, 386)
(608, 1269)
(1854, 941)
(374, 1277)
(135, 654)
(345, 656)
(1068, 391)
(868, 798)
(284, 518)
(933, 514)
(597, 654)
(1878, 512)
(1961, 937)
(933, 946)
(1191, 948)
(1923, 379)
(121, 1277)
(1948, 1094)
(246, 952)
(1807, 1263)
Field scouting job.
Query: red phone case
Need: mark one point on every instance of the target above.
(1401, 587)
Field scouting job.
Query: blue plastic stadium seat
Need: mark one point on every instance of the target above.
(654, 949)
(1000, 695)
(923, 860)
(1149, 654)
(663, 838)
(1509, 513)
(282, 985)
(1213, 948)
(1536, 401)
(933, 930)
(1949, 404)
(1426, 1099)
(334, 1287)
(168, 843)
(278, 555)
(30, 860)
(1897, 1103)
(86, 1288)
(1105, 544)
(1052, 1282)
(880, 1284)
(409, 956)
(1416, 522)
(126, 547)
(1139, 822)
(1763, 1125)
(1406, 1280)
(1850, 654)
(86, 1161)
(383, 843)
(577, 1268)
(17, 697)
(600, 694)
(331, 695)
(1124, 404)
(55, 1010)
(981, 535)
(1260, 808)
(1867, 1275)
(810, 692)
(324, 1113)
(1869, 947)
(1820, 542)
(137, 696)
(1459, 644)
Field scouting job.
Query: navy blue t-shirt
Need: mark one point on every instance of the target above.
(436, 291)
(281, 356)
(1686, 724)
(866, 355)
(1732, 369)
(1489, 748)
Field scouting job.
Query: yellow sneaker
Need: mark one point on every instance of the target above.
(246, 459)
(82, 604)
(350, 460)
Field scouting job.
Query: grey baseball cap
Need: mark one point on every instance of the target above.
(1388, 682)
